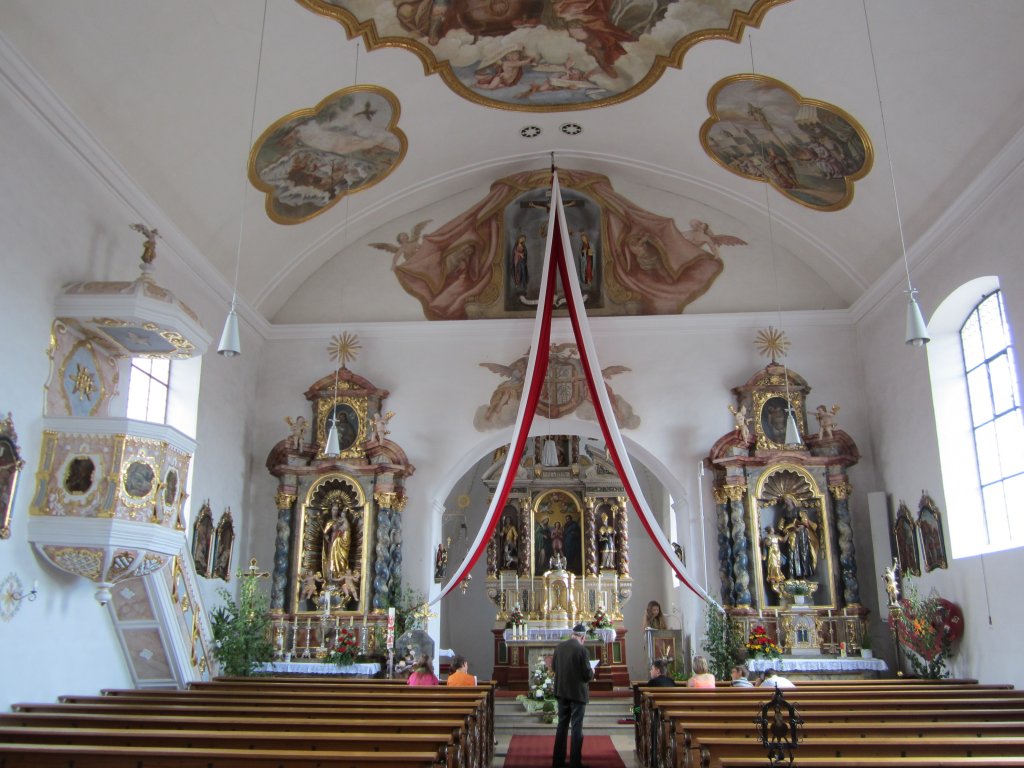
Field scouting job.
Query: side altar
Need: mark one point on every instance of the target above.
(786, 556)
(559, 556)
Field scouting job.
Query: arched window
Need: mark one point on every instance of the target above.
(996, 422)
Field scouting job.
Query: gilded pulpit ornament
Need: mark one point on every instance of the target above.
(83, 383)
(149, 249)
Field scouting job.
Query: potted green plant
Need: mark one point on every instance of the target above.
(241, 629)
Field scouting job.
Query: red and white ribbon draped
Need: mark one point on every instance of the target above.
(557, 253)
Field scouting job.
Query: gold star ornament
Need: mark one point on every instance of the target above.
(771, 342)
(344, 348)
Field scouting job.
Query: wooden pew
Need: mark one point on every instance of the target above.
(708, 753)
(94, 756)
(883, 762)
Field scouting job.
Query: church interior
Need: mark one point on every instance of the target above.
(273, 272)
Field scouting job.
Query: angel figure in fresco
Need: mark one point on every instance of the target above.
(408, 244)
(590, 22)
(504, 71)
(298, 428)
(700, 235)
(508, 391)
(742, 421)
(826, 421)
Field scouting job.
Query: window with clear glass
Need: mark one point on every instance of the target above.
(148, 387)
(996, 418)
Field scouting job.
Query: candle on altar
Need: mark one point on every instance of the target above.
(758, 613)
(830, 613)
(517, 587)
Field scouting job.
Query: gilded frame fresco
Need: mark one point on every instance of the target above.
(310, 159)
(764, 130)
(545, 55)
(555, 511)
(202, 540)
(224, 542)
(11, 464)
(933, 540)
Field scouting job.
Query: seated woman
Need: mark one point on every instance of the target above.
(460, 672)
(701, 677)
(423, 673)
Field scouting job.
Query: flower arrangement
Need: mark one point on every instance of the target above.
(346, 646)
(601, 620)
(760, 646)
(541, 696)
(927, 628)
(516, 617)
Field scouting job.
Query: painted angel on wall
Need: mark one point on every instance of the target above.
(408, 244)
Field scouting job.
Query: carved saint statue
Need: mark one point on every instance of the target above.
(826, 421)
(892, 587)
(441, 561)
(801, 535)
(606, 542)
(337, 544)
(742, 421)
(771, 542)
(510, 548)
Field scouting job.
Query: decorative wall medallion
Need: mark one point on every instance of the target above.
(545, 55)
(80, 383)
(310, 159)
(79, 474)
(138, 479)
(10, 467)
(809, 150)
(171, 487)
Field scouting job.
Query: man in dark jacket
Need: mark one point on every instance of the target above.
(659, 674)
(573, 672)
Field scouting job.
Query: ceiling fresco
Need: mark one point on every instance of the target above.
(545, 55)
(487, 261)
(809, 150)
(310, 159)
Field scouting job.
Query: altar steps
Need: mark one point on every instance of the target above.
(602, 718)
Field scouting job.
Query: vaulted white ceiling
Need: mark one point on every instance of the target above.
(167, 89)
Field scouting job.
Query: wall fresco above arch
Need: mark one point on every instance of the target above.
(809, 150)
(545, 55)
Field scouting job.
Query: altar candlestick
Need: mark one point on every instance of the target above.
(759, 613)
(517, 587)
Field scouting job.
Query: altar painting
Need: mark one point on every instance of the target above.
(544, 55)
(558, 532)
(809, 150)
(633, 261)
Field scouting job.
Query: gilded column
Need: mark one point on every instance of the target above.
(847, 558)
(622, 538)
(395, 578)
(589, 540)
(525, 537)
(740, 545)
(382, 551)
(724, 545)
(284, 501)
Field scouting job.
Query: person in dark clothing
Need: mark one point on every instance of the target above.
(573, 672)
(659, 674)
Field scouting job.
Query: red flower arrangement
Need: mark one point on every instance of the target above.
(929, 628)
(760, 646)
(345, 648)
(601, 620)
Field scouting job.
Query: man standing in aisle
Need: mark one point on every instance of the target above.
(573, 672)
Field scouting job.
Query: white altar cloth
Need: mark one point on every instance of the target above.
(849, 664)
(546, 635)
(366, 669)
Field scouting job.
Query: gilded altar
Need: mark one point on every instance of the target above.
(559, 554)
(786, 554)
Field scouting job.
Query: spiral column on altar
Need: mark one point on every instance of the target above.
(285, 503)
(724, 545)
(387, 561)
(590, 540)
(525, 538)
(840, 490)
(740, 544)
(622, 538)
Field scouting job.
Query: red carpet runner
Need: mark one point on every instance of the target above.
(535, 752)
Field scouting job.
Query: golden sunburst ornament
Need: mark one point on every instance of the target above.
(344, 348)
(772, 342)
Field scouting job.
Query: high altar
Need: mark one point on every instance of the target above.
(785, 543)
(559, 555)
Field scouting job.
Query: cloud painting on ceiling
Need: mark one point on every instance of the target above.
(310, 159)
(543, 55)
(809, 150)
(487, 261)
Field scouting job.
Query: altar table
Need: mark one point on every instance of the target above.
(820, 667)
(366, 669)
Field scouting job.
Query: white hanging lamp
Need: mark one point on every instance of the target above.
(230, 340)
(916, 329)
